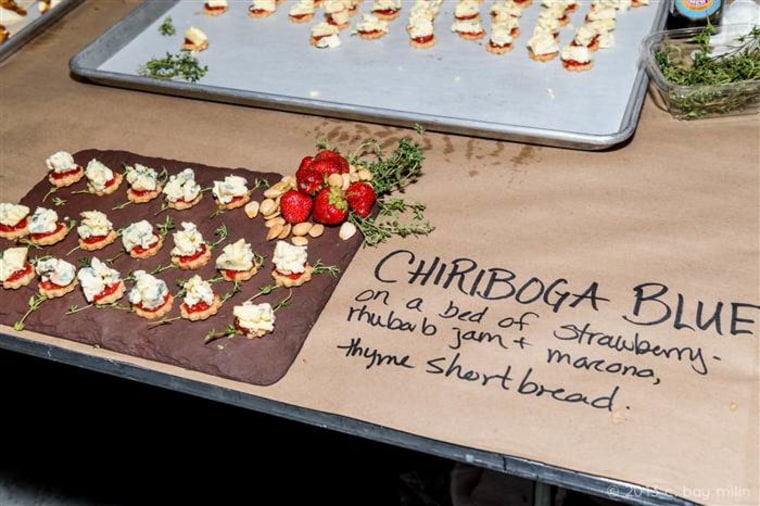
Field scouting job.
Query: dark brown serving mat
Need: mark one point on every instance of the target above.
(259, 361)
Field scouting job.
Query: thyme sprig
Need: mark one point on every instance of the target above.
(182, 66)
(389, 222)
(222, 233)
(121, 206)
(260, 182)
(264, 290)
(284, 302)
(115, 305)
(218, 211)
(51, 191)
(115, 257)
(182, 289)
(399, 170)
(28, 243)
(161, 268)
(213, 335)
(58, 201)
(167, 27)
(236, 286)
(35, 301)
(164, 207)
(705, 73)
(321, 268)
(165, 227)
(163, 321)
(75, 308)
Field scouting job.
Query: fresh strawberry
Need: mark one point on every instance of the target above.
(295, 206)
(313, 172)
(305, 162)
(332, 162)
(338, 159)
(308, 181)
(330, 206)
(360, 197)
(324, 168)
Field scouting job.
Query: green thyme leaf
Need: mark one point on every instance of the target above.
(167, 28)
(183, 66)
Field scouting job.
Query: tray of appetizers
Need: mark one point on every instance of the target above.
(171, 250)
(21, 20)
(555, 72)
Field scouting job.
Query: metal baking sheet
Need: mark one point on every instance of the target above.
(24, 29)
(455, 87)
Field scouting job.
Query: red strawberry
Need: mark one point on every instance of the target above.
(313, 172)
(305, 162)
(360, 197)
(336, 157)
(324, 168)
(330, 206)
(332, 162)
(308, 181)
(295, 206)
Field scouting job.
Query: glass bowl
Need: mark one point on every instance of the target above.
(699, 100)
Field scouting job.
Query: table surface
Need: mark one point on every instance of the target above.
(676, 207)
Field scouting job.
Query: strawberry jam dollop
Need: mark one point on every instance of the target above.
(12, 228)
(62, 175)
(196, 308)
(185, 259)
(139, 250)
(20, 273)
(107, 291)
(58, 228)
(154, 309)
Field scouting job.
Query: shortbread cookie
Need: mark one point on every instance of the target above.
(154, 314)
(200, 311)
(292, 280)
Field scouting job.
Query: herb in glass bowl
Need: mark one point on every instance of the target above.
(707, 84)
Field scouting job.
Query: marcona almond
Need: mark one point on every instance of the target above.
(290, 181)
(364, 175)
(267, 207)
(335, 180)
(252, 209)
(278, 189)
(274, 232)
(299, 240)
(346, 181)
(285, 231)
(277, 220)
(302, 228)
(347, 230)
(316, 230)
